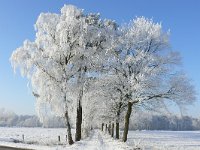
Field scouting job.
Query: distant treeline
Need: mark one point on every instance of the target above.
(164, 122)
(10, 119)
(140, 121)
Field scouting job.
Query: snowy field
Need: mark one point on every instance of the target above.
(165, 140)
(38, 138)
(47, 139)
(41, 138)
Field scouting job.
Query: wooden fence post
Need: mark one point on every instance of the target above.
(23, 138)
(59, 138)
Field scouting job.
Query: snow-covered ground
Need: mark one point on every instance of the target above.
(165, 140)
(47, 139)
(37, 138)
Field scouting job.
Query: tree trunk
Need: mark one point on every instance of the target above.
(79, 108)
(117, 125)
(117, 130)
(106, 127)
(102, 126)
(109, 128)
(113, 126)
(78, 122)
(127, 117)
(70, 140)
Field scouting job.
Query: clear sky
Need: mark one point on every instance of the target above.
(17, 18)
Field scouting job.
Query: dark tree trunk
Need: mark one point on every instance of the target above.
(117, 130)
(106, 127)
(69, 134)
(127, 117)
(79, 105)
(109, 128)
(117, 125)
(113, 126)
(79, 111)
(78, 122)
(102, 126)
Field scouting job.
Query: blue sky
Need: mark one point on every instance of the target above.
(17, 18)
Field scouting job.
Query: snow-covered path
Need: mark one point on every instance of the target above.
(46, 139)
(99, 141)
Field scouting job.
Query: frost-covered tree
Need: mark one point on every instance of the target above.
(68, 47)
(97, 40)
(147, 69)
(111, 97)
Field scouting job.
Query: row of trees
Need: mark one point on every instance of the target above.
(140, 121)
(146, 121)
(10, 119)
(94, 70)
